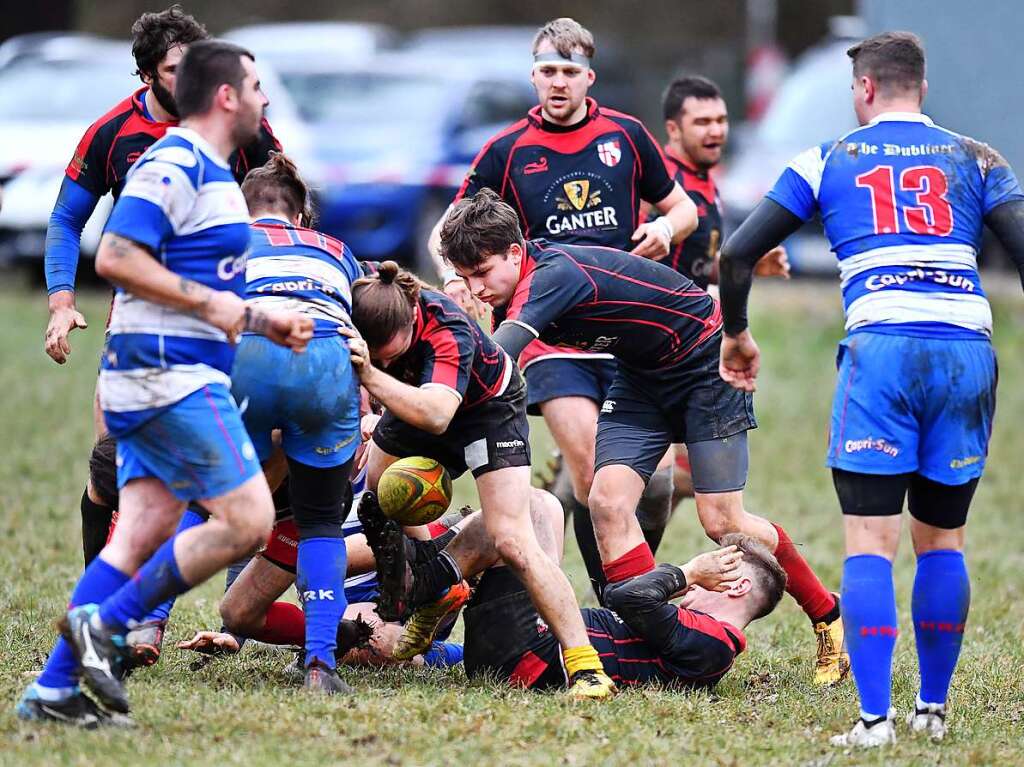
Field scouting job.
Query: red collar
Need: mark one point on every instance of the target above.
(736, 634)
(678, 159)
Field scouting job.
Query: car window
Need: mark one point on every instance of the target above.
(495, 102)
(814, 104)
(323, 97)
(32, 89)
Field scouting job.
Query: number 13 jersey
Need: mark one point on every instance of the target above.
(903, 203)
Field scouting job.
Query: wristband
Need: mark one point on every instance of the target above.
(666, 227)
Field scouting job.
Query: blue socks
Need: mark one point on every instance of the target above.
(320, 578)
(443, 655)
(156, 581)
(869, 617)
(162, 611)
(942, 597)
(97, 582)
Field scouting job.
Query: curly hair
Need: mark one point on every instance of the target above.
(153, 34)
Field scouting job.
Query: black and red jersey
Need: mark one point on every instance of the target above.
(701, 653)
(695, 256)
(114, 142)
(604, 300)
(449, 349)
(581, 184)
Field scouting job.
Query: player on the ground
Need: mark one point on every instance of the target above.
(647, 639)
(164, 385)
(697, 126)
(577, 172)
(664, 332)
(903, 202)
(100, 165)
(451, 394)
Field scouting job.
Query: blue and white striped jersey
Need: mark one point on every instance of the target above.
(182, 203)
(358, 588)
(298, 269)
(903, 202)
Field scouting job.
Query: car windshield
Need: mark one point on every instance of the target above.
(814, 104)
(62, 90)
(330, 97)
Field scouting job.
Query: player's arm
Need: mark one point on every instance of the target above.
(1007, 223)
(679, 218)
(74, 205)
(429, 407)
(643, 602)
(763, 230)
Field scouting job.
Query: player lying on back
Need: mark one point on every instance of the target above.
(451, 394)
(903, 202)
(643, 638)
(663, 331)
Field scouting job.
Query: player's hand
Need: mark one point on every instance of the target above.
(774, 263)
(740, 361)
(653, 241)
(64, 318)
(291, 329)
(211, 643)
(367, 424)
(714, 570)
(226, 311)
(358, 352)
(458, 291)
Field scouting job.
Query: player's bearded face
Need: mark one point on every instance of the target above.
(163, 83)
(252, 103)
(494, 279)
(703, 130)
(561, 87)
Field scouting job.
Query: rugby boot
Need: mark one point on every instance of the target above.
(77, 710)
(387, 542)
(591, 684)
(320, 678)
(100, 651)
(929, 718)
(833, 662)
(427, 621)
(881, 732)
(145, 642)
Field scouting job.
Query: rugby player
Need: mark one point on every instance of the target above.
(577, 172)
(664, 331)
(903, 202)
(451, 394)
(697, 126)
(647, 639)
(164, 381)
(100, 165)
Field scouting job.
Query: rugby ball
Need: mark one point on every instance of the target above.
(415, 490)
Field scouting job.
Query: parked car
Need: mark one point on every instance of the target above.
(813, 105)
(395, 135)
(48, 98)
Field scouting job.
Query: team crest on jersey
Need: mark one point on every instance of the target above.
(577, 192)
(609, 152)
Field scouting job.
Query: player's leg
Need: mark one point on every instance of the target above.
(654, 509)
(250, 609)
(957, 413)
(99, 500)
(682, 477)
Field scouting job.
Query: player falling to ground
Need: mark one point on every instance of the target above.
(647, 639)
(100, 165)
(903, 202)
(164, 385)
(664, 332)
(452, 395)
(577, 172)
(697, 125)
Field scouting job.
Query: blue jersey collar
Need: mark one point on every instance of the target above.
(909, 117)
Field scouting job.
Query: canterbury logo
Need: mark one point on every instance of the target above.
(540, 166)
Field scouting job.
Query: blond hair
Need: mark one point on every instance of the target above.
(566, 35)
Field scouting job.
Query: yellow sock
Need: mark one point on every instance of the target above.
(581, 659)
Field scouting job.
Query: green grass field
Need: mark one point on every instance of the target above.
(242, 711)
